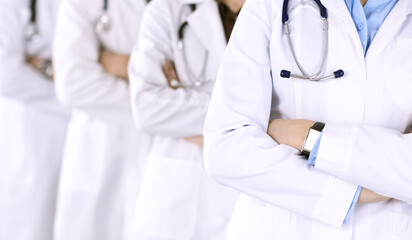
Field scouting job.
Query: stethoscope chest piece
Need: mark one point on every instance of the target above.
(102, 23)
(32, 33)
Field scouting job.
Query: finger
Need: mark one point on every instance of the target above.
(198, 140)
(166, 71)
(102, 56)
(174, 73)
(171, 71)
(170, 74)
(167, 65)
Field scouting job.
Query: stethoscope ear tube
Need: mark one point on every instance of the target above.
(285, 16)
(339, 73)
(180, 33)
(315, 77)
(287, 74)
(33, 11)
(31, 31)
(105, 5)
(103, 22)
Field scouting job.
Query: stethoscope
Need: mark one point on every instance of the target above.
(315, 77)
(181, 46)
(102, 23)
(32, 35)
(32, 32)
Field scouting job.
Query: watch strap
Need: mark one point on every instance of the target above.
(46, 68)
(318, 126)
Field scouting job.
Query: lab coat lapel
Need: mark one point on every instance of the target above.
(334, 5)
(207, 25)
(387, 32)
(340, 9)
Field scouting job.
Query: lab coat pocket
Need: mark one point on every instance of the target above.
(254, 219)
(13, 160)
(169, 199)
(397, 226)
(89, 155)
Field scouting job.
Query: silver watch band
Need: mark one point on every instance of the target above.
(46, 68)
(311, 138)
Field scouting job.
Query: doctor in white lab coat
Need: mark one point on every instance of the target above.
(32, 122)
(178, 200)
(365, 142)
(104, 154)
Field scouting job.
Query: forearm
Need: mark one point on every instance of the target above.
(160, 109)
(360, 166)
(42, 66)
(81, 81)
(374, 157)
(115, 64)
(248, 160)
(22, 83)
(94, 92)
(198, 140)
(167, 112)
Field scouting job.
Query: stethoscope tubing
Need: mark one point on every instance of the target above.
(105, 5)
(181, 47)
(32, 32)
(33, 12)
(314, 77)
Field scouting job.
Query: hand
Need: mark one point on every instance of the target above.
(171, 75)
(290, 132)
(34, 62)
(198, 140)
(38, 63)
(114, 64)
(367, 196)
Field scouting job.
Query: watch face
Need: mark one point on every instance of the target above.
(311, 140)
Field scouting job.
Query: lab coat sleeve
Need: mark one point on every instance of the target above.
(238, 151)
(374, 157)
(81, 82)
(158, 109)
(18, 80)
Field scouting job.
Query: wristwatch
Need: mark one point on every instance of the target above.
(46, 69)
(311, 138)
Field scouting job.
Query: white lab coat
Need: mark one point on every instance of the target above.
(32, 125)
(104, 153)
(366, 113)
(178, 200)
